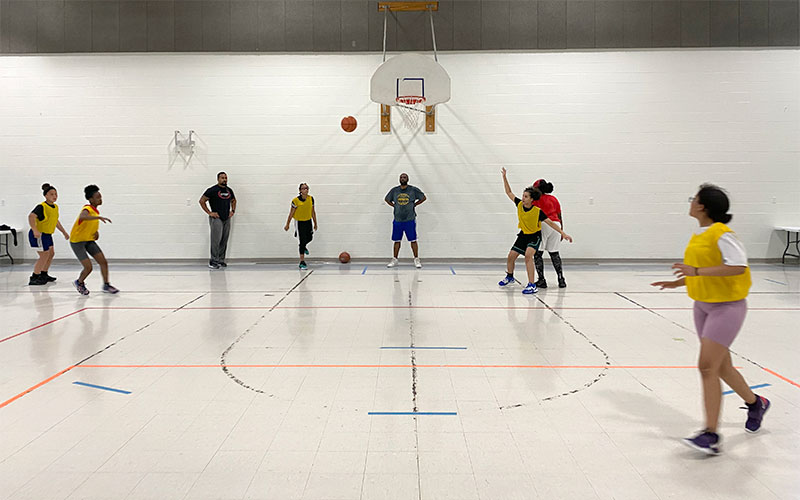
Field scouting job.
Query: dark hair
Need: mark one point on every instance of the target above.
(89, 191)
(301, 185)
(715, 203)
(533, 192)
(543, 186)
(220, 173)
(46, 188)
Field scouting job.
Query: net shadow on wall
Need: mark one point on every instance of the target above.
(185, 147)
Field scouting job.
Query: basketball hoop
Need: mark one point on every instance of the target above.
(411, 108)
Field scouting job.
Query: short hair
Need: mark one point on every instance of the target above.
(221, 173)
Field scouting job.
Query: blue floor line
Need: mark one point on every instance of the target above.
(102, 387)
(752, 387)
(450, 413)
(452, 270)
(417, 347)
(365, 270)
(773, 281)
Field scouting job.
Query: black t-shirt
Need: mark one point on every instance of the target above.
(39, 211)
(220, 200)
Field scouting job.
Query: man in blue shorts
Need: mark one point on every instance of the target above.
(404, 199)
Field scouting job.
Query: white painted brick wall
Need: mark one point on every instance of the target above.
(635, 131)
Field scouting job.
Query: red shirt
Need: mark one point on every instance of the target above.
(550, 206)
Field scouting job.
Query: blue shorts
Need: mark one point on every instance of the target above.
(408, 227)
(41, 244)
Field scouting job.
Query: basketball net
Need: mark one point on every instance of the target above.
(411, 108)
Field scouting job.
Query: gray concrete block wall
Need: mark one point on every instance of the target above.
(52, 26)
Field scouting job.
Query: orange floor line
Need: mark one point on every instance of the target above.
(781, 377)
(29, 389)
(593, 367)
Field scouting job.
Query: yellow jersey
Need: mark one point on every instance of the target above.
(303, 208)
(50, 221)
(530, 221)
(703, 251)
(85, 230)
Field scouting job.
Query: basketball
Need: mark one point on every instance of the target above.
(349, 124)
(344, 257)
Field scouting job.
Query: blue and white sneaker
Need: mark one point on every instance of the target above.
(705, 441)
(529, 289)
(507, 280)
(303, 265)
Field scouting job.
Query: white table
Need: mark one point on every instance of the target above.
(5, 233)
(789, 231)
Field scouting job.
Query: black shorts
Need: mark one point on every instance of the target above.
(525, 241)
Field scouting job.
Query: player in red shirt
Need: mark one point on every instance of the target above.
(551, 240)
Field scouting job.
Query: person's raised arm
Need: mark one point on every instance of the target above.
(509, 193)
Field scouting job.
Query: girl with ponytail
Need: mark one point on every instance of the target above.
(551, 239)
(716, 275)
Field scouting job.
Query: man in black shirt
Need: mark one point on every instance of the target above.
(223, 206)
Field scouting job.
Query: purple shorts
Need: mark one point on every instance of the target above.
(720, 321)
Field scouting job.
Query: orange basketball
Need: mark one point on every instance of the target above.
(349, 124)
(344, 257)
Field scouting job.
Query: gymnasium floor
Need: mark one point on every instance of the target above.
(260, 381)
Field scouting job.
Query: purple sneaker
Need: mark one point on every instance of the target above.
(109, 288)
(705, 441)
(755, 414)
(80, 287)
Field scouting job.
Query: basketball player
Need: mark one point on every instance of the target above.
(83, 240)
(303, 212)
(43, 220)
(530, 234)
(716, 275)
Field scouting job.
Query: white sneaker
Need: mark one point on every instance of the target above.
(392, 263)
(417, 263)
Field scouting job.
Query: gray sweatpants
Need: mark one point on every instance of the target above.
(219, 238)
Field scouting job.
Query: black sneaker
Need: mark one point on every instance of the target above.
(562, 283)
(705, 441)
(37, 279)
(542, 283)
(222, 264)
(212, 265)
(49, 278)
(755, 414)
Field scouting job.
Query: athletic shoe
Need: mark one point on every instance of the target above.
(222, 264)
(755, 414)
(303, 265)
(392, 263)
(306, 251)
(49, 278)
(705, 441)
(37, 279)
(212, 265)
(109, 288)
(562, 283)
(541, 283)
(507, 280)
(417, 263)
(529, 289)
(80, 287)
